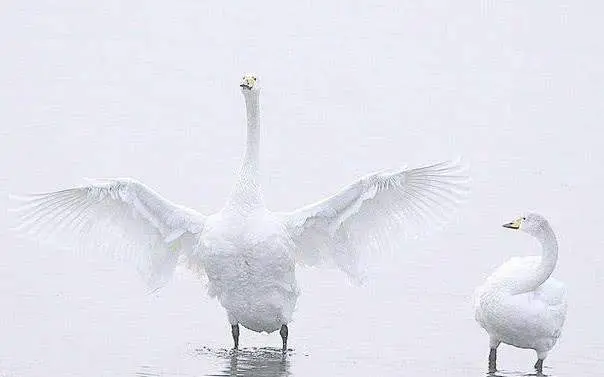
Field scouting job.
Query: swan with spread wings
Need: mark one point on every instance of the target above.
(247, 253)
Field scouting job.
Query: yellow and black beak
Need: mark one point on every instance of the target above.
(514, 224)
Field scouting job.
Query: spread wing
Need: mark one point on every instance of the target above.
(374, 212)
(120, 216)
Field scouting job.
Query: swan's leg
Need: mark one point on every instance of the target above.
(235, 332)
(493, 343)
(283, 332)
(539, 365)
(493, 360)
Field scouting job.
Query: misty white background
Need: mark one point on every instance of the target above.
(149, 89)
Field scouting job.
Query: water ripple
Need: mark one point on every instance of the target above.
(507, 373)
(147, 371)
(251, 362)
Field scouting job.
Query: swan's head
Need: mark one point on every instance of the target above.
(531, 223)
(249, 84)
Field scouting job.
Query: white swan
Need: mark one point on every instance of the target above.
(519, 304)
(247, 252)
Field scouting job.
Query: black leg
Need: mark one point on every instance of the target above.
(539, 365)
(493, 360)
(235, 332)
(283, 332)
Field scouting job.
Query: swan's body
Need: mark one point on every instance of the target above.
(247, 252)
(520, 304)
(250, 268)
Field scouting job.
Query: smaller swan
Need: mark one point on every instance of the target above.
(519, 304)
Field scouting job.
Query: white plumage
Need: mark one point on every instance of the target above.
(520, 304)
(247, 252)
(122, 217)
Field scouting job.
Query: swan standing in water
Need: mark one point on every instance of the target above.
(519, 304)
(247, 253)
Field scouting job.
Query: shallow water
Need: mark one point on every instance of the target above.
(228, 362)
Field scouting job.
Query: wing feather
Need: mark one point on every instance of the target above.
(120, 216)
(374, 213)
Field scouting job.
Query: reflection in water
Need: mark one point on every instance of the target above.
(251, 362)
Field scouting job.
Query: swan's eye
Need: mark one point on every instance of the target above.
(254, 78)
(524, 218)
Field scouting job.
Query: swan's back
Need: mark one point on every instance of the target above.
(552, 292)
(513, 270)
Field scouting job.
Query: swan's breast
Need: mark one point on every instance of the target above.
(251, 270)
(241, 253)
(261, 232)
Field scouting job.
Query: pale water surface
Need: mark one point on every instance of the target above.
(149, 90)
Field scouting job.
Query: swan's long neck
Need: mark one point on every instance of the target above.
(549, 257)
(246, 194)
